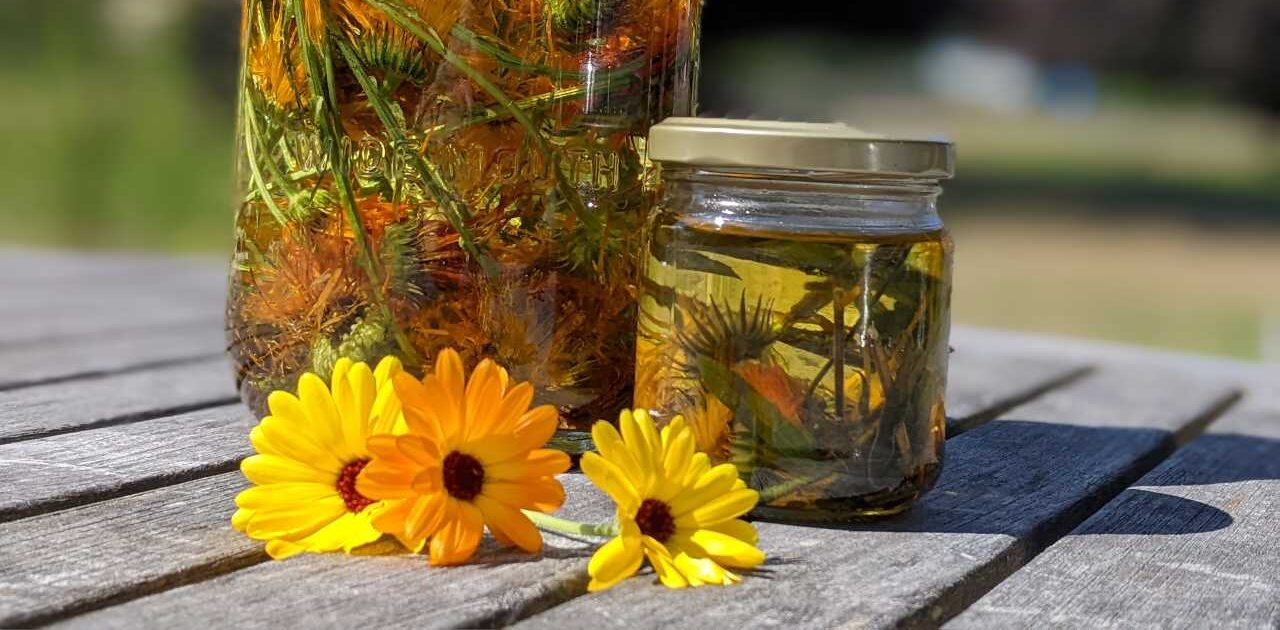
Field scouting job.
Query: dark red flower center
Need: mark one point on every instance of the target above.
(463, 476)
(347, 486)
(655, 520)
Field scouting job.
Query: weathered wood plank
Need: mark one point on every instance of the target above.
(390, 589)
(30, 365)
(1193, 544)
(96, 320)
(983, 383)
(1010, 487)
(56, 295)
(38, 476)
(111, 399)
(48, 268)
(58, 563)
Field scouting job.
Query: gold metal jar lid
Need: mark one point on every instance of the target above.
(831, 147)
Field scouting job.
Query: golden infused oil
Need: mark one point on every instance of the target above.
(759, 340)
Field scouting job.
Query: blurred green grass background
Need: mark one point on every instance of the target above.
(1152, 218)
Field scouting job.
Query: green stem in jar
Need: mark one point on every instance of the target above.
(837, 349)
(779, 490)
(255, 171)
(320, 82)
(400, 14)
(445, 198)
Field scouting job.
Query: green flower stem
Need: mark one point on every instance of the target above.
(549, 523)
(322, 96)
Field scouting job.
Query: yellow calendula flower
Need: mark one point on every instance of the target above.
(310, 450)
(709, 421)
(674, 508)
(472, 457)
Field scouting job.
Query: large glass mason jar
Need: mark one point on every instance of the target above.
(422, 174)
(795, 310)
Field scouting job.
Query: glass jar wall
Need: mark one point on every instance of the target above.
(798, 320)
(422, 174)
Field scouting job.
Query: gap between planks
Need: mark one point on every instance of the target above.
(119, 398)
(1004, 385)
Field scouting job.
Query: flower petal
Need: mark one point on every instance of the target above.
(427, 515)
(610, 445)
(609, 477)
(422, 451)
(294, 521)
(663, 564)
(277, 436)
(354, 395)
(716, 482)
(447, 384)
(544, 494)
(322, 413)
(281, 494)
(513, 407)
(539, 463)
(726, 507)
(484, 397)
(388, 367)
(613, 562)
(382, 480)
(267, 469)
(457, 539)
(346, 533)
(727, 550)
(421, 414)
(739, 529)
(508, 524)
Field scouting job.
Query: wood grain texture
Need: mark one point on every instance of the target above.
(57, 296)
(33, 364)
(1193, 544)
(1010, 487)
(982, 383)
(371, 591)
(44, 410)
(53, 269)
(298, 591)
(55, 564)
(38, 476)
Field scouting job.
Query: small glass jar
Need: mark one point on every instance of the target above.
(795, 310)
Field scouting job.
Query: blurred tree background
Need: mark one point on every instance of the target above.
(1119, 161)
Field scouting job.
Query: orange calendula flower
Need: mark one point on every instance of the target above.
(472, 457)
(310, 451)
(674, 508)
(775, 385)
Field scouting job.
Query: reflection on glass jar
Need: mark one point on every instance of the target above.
(416, 175)
(795, 310)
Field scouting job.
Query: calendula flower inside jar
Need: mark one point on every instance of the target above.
(795, 310)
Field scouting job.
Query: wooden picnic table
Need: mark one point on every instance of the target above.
(1086, 485)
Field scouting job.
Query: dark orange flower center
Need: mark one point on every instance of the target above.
(463, 476)
(655, 520)
(347, 486)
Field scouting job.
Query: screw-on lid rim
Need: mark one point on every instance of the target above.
(725, 142)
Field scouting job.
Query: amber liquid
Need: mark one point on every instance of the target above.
(489, 200)
(816, 365)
